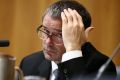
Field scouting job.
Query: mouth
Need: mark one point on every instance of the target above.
(49, 51)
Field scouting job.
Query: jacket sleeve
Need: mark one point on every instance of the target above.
(86, 67)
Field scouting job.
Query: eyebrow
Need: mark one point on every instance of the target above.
(58, 30)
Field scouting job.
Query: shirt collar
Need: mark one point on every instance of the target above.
(54, 66)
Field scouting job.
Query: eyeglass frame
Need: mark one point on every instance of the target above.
(48, 35)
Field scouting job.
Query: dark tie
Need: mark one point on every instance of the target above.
(55, 72)
(59, 75)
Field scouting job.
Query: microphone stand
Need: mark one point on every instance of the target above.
(104, 66)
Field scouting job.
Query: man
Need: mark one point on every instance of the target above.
(64, 31)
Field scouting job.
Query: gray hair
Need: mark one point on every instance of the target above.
(55, 10)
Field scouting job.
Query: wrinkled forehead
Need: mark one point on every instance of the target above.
(51, 22)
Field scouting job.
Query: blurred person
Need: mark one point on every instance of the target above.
(64, 31)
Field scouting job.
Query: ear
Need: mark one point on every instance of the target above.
(88, 30)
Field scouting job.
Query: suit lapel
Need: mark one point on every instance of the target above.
(45, 69)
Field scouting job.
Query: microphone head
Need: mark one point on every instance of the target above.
(4, 43)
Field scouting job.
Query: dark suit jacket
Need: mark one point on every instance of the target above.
(82, 68)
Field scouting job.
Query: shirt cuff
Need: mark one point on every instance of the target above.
(71, 54)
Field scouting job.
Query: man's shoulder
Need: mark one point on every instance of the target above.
(34, 56)
(89, 51)
(31, 64)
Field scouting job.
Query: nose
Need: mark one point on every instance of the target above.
(49, 41)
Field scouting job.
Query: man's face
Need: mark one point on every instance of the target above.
(52, 51)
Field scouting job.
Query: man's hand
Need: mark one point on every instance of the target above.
(73, 31)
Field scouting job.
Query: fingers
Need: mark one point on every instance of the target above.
(72, 17)
(68, 16)
(79, 19)
(64, 19)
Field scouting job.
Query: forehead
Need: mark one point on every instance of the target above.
(50, 22)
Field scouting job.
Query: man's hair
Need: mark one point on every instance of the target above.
(55, 10)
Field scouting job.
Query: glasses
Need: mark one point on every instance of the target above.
(44, 33)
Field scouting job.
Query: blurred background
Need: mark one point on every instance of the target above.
(20, 18)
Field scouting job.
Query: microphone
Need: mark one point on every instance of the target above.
(4, 43)
(104, 66)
